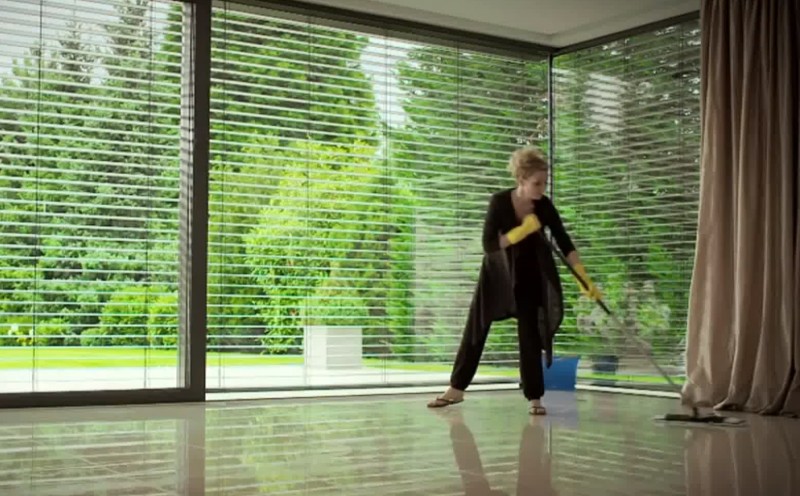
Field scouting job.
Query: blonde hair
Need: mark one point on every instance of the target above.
(526, 161)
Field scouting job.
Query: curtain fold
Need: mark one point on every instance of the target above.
(742, 342)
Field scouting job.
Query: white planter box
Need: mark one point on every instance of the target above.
(332, 347)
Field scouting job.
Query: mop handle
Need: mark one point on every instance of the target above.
(608, 311)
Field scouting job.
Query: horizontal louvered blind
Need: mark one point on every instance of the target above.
(89, 161)
(350, 174)
(626, 179)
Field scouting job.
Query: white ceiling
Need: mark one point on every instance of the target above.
(555, 23)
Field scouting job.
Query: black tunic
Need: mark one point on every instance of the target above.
(501, 218)
(528, 264)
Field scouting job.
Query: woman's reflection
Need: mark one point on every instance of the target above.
(534, 476)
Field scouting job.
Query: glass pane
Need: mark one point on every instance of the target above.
(89, 169)
(627, 177)
(350, 175)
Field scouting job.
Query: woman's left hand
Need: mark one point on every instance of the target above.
(590, 290)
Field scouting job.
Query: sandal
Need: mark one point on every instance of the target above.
(440, 402)
(537, 410)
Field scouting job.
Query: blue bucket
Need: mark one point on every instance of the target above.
(562, 374)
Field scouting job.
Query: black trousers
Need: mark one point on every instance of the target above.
(530, 351)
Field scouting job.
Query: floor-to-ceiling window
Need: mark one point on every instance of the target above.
(90, 109)
(350, 173)
(627, 134)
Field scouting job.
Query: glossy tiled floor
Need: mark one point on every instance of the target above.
(591, 444)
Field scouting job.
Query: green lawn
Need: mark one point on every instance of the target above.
(646, 379)
(25, 358)
(513, 372)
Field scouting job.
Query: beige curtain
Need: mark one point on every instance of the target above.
(743, 344)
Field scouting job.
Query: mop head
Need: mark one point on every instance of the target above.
(693, 419)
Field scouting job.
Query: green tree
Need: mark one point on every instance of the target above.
(341, 262)
(93, 168)
(125, 316)
(17, 215)
(162, 321)
(269, 99)
(465, 113)
(34, 151)
(251, 53)
(626, 175)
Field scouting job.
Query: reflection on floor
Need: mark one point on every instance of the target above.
(590, 444)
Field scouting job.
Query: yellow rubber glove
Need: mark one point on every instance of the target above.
(592, 292)
(530, 224)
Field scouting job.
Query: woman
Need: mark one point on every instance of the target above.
(512, 223)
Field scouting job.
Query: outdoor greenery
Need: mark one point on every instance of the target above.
(327, 208)
(626, 179)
